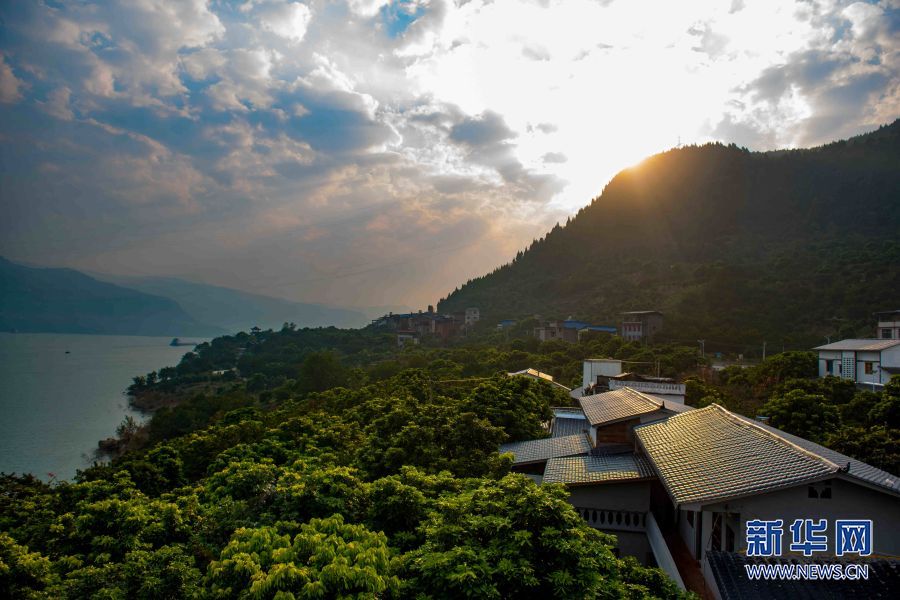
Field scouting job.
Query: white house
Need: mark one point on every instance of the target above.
(863, 361)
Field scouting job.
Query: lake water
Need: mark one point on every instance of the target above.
(54, 406)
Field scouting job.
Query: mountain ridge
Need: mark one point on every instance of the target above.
(237, 310)
(62, 300)
(704, 233)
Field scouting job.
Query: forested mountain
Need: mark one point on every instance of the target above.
(733, 246)
(234, 310)
(37, 300)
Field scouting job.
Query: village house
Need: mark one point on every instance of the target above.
(888, 325)
(677, 485)
(411, 327)
(604, 374)
(569, 330)
(863, 361)
(641, 325)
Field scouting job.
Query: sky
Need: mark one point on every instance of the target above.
(364, 153)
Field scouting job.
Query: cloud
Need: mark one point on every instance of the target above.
(554, 157)
(9, 84)
(57, 104)
(808, 97)
(484, 130)
(311, 149)
(286, 19)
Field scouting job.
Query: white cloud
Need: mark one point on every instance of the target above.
(286, 19)
(298, 134)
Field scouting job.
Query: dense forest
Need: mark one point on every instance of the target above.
(321, 463)
(735, 247)
(314, 479)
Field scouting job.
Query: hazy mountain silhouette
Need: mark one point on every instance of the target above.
(38, 300)
(234, 310)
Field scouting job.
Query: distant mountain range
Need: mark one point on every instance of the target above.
(235, 310)
(38, 300)
(735, 247)
(34, 299)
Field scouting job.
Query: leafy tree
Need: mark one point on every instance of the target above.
(327, 558)
(510, 539)
(807, 415)
(519, 405)
(321, 371)
(23, 574)
(878, 446)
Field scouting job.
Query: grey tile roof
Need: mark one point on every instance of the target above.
(668, 404)
(531, 451)
(617, 405)
(597, 469)
(731, 579)
(871, 345)
(563, 427)
(711, 455)
(857, 470)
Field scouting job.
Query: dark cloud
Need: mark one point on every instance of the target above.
(486, 129)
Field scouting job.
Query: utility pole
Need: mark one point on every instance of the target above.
(764, 350)
(702, 348)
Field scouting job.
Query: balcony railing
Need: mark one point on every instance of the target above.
(614, 520)
(650, 387)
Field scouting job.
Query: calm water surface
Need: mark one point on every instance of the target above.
(54, 406)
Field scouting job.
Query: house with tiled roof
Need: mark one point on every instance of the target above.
(680, 484)
(872, 361)
(720, 470)
(531, 456)
(613, 415)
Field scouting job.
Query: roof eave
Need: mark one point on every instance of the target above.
(700, 504)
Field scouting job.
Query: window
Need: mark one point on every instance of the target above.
(886, 334)
(821, 491)
(870, 368)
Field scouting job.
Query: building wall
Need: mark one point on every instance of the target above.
(616, 433)
(599, 366)
(628, 495)
(829, 363)
(889, 358)
(848, 501)
(868, 361)
(632, 331)
(888, 327)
